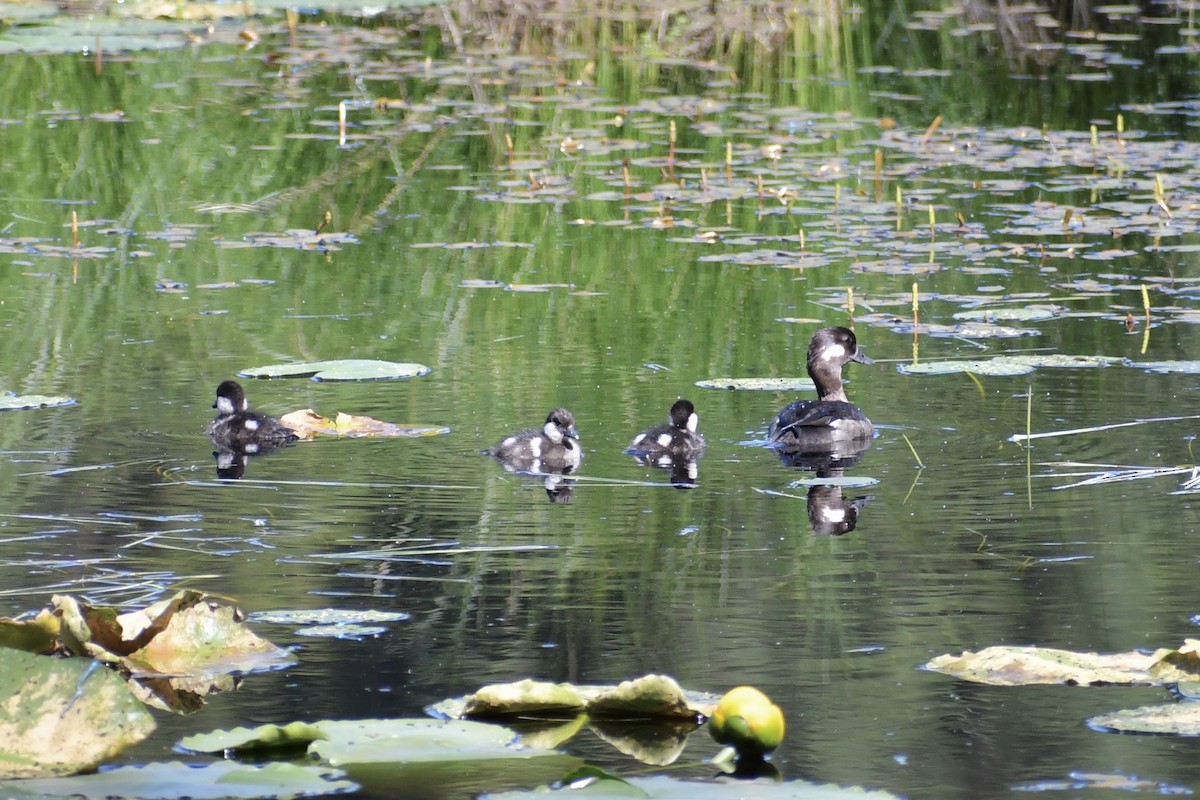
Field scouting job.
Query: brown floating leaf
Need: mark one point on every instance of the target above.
(1022, 666)
(307, 424)
(188, 634)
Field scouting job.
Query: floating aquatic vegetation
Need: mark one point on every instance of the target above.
(63, 716)
(219, 780)
(1023, 314)
(760, 384)
(68, 34)
(1024, 666)
(1007, 365)
(307, 424)
(293, 240)
(10, 401)
(349, 369)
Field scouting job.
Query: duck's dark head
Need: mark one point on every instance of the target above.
(683, 415)
(560, 424)
(230, 398)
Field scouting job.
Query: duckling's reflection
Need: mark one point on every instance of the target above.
(559, 489)
(231, 461)
(684, 471)
(231, 464)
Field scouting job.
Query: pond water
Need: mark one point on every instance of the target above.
(528, 275)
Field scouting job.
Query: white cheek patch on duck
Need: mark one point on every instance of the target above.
(664, 440)
(693, 422)
(552, 432)
(225, 406)
(833, 352)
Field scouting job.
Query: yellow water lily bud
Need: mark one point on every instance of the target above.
(747, 719)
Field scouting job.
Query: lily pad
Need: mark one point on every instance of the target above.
(38, 635)
(668, 788)
(328, 616)
(1178, 719)
(760, 384)
(993, 367)
(383, 741)
(253, 740)
(1185, 367)
(844, 481)
(521, 698)
(62, 716)
(187, 634)
(307, 424)
(1007, 365)
(649, 698)
(1020, 314)
(79, 35)
(350, 369)
(172, 780)
(1023, 666)
(15, 402)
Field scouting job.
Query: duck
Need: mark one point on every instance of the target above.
(552, 448)
(677, 440)
(238, 429)
(831, 420)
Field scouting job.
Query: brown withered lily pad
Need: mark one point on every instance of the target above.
(1178, 719)
(189, 634)
(308, 424)
(1023, 666)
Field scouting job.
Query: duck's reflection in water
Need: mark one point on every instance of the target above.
(830, 513)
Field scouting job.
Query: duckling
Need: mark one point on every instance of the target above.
(237, 428)
(553, 448)
(675, 441)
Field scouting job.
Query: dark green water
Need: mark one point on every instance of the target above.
(718, 585)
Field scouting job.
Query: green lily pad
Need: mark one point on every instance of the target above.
(79, 35)
(350, 369)
(247, 740)
(983, 366)
(844, 481)
(26, 12)
(760, 384)
(172, 780)
(1063, 361)
(1007, 365)
(387, 741)
(1185, 367)
(20, 402)
(668, 788)
(62, 716)
(327, 616)
(1023, 314)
